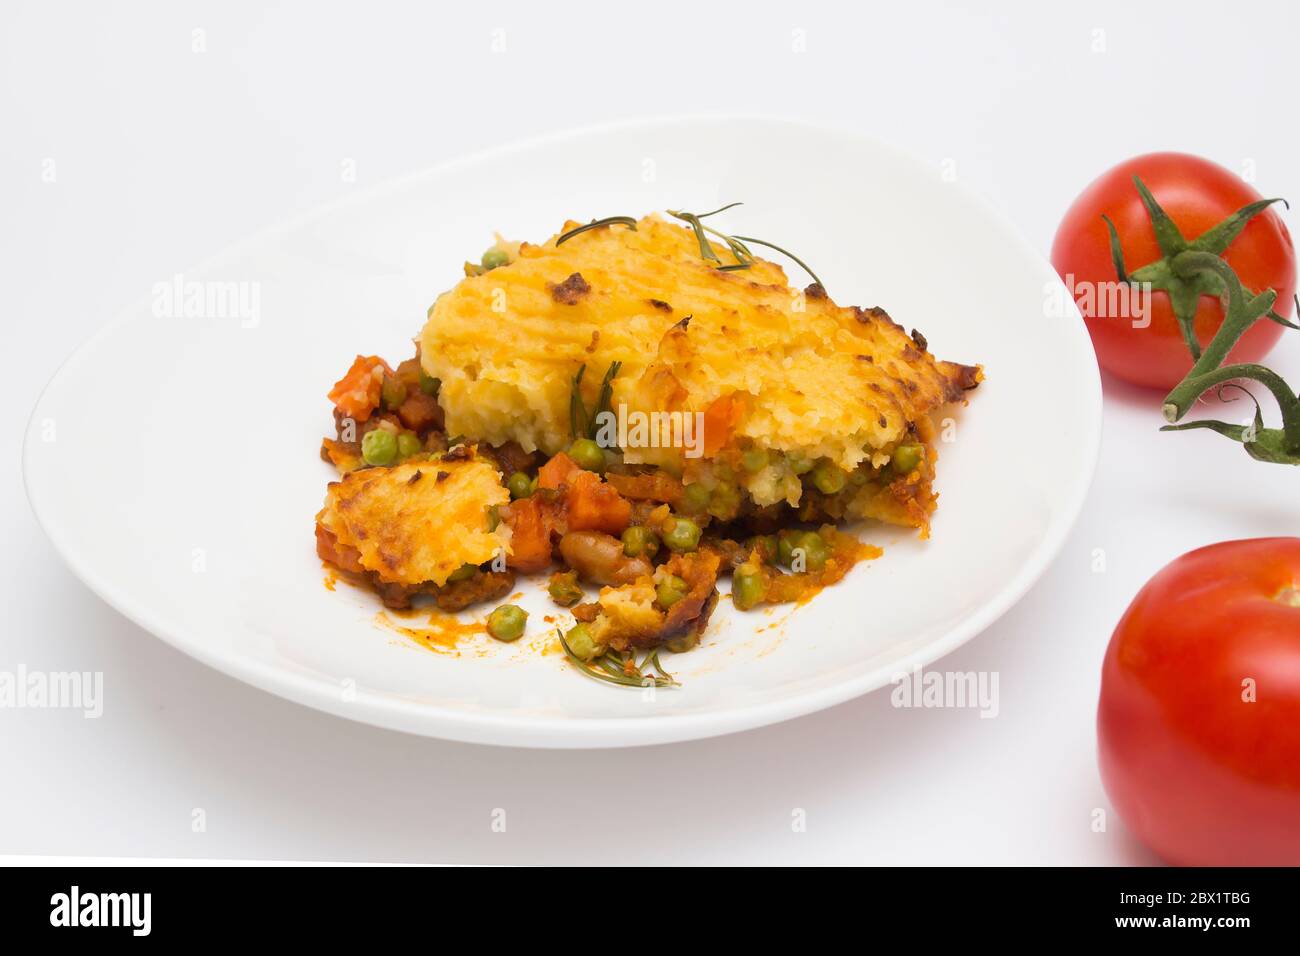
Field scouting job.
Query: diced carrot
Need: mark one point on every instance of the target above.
(720, 420)
(357, 393)
(340, 455)
(341, 556)
(529, 520)
(592, 505)
(655, 486)
(556, 471)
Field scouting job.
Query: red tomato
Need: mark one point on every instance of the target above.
(1197, 195)
(1198, 728)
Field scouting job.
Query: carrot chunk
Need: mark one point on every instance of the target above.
(592, 505)
(720, 421)
(655, 486)
(357, 393)
(340, 555)
(530, 522)
(556, 471)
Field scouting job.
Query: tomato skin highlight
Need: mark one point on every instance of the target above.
(1200, 774)
(1197, 194)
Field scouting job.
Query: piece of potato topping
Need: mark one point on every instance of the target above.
(769, 365)
(418, 522)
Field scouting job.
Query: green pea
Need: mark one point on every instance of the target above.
(829, 478)
(493, 518)
(393, 392)
(815, 550)
(581, 643)
(683, 642)
(495, 257)
(906, 458)
(669, 591)
(520, 485)
(463, 573)
(681, 534)
(408, 444)
(507, 622)
(587, 455)
(724, 502)
(755, 459)
(564, 589)
(786, 542)
(429, 385)
(639, 541)
(379, 447)
(747, 588)
(695, 498)
(799, 463)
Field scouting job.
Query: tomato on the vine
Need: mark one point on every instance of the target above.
(1197, 195)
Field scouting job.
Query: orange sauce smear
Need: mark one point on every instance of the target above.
(440, 633)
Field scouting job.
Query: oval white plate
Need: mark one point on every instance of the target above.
(173, 459)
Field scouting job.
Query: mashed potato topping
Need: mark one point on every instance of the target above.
(806, 375)
(418, 522)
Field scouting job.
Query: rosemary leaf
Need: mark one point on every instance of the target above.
(610, 667)
(785, 252)
(730, 205)
(596, 224)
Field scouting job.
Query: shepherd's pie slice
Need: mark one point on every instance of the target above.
(780, 373)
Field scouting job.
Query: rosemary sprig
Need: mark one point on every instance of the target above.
(706, 249)
(582, 424)
(606, 394)
(785, 252)
(737, 244)
(614, 667)
(596, 224)
(578, 425)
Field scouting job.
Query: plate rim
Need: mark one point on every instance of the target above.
(431, 720)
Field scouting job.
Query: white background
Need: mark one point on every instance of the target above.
(163, 155)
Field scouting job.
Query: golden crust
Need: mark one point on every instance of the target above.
(413, 530)
(628, 614)
(812, 376)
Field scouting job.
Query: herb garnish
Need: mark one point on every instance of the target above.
(583, 424)
(596, 224)
(737, 244)
(615, 667)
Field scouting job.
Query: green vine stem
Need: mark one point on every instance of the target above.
(1185, 290)
(1241, 311)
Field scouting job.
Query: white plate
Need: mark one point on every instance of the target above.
(173, 460)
